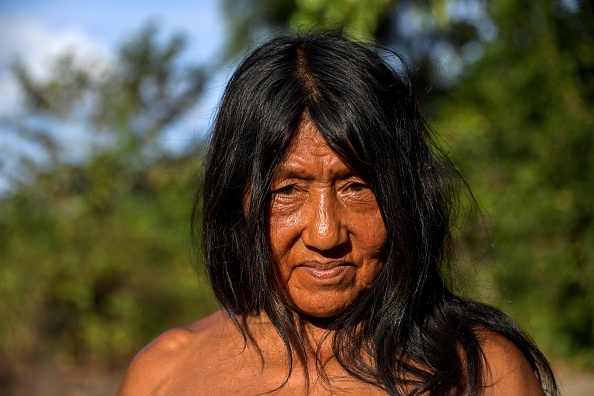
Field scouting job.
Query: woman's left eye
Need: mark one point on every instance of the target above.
(356, 187)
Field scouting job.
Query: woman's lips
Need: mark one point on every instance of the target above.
(323, 271)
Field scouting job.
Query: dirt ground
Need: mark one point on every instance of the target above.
(51, 380)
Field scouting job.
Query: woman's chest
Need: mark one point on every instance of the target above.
(246, 374)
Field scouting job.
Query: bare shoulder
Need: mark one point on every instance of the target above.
(507, 371)
(166, 360)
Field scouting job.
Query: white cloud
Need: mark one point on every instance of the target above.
(36, 45)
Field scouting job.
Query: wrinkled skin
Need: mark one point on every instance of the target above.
(326, 231)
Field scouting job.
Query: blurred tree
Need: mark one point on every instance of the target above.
(436, 36)
(94, 251)
(125, 106)
(248, 19)
(521, 119)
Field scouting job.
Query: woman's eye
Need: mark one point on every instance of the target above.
(286, 190)
(356, 187)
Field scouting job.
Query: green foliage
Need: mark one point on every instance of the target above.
(247, 20)
(96, 260)
(96, 254)
(522, 124)
(357, 19)
(124, 106)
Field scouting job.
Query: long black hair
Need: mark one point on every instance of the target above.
(414, 329)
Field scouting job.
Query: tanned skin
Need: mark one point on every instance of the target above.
(327, 236)
(209, 358)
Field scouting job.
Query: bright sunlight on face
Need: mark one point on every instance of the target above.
(325, 228)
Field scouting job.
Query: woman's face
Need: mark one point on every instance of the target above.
(325, 228)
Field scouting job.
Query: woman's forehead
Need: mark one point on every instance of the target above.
(307, 139)
(309, 152)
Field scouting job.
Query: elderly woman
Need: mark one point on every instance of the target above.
(325, 226)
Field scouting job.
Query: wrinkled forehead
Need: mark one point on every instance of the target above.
(307, 139)
(308, 150)
(308, 145)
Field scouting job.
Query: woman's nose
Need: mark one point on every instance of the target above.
(324, 223)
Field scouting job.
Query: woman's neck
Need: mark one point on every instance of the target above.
(314, 334)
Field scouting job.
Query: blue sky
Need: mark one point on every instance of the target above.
(37, 30)
(109, 21)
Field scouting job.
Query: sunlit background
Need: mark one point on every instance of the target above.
(36, 32)
(105, 108)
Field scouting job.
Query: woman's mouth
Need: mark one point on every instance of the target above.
(323, 271)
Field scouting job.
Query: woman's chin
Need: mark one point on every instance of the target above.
(324, 310)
